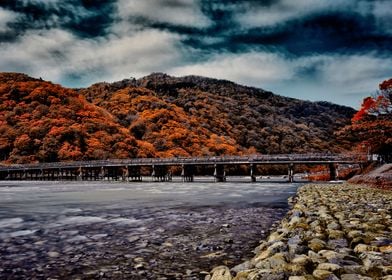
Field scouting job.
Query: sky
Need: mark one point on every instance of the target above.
(330, 50)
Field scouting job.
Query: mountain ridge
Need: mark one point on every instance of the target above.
(158, 116)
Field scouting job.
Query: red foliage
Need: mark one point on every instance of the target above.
(387, 84)
(371, 126)
(367, 104)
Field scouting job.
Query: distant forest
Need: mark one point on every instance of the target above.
(161, 116)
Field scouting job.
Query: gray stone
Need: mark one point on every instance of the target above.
(371, 260)
(337, 243)
(221, 273)
(294, 240)
(321, 274)
(301, 260)
(276, 261)
(265, 274)
(53, 254)
(360, 248)
(316, 244)
(277, 247)
(333, 225)
(242, 266)
(353, 269)
(329, 266)
(354, 277)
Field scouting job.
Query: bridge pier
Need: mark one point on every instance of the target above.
(134, 173)
(124, 173)
(333, 172)
(187, 173)
(252, 173)
(291, 172)
(112, 173)
(219, 173)
(160, 173)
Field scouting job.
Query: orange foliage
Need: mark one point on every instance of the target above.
(368, 104)
(371, 126)
(40, 121)
(69, 152)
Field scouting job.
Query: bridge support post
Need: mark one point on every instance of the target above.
(160, 173)
(333, 172)
(80, 174)
(219, 173)
(291, 173)
(101, 173)
(125, 173)
(134, 172)
(252, 173)
(187, 173)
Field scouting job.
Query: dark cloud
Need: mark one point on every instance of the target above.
(81, 17)
(280, 45)
(322, 33)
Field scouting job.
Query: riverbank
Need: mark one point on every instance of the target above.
(331, 232)
(380, 177)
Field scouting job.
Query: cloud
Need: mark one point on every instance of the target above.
(249, 68)
(382, 11)
(175, 12)
(314, 49)
(59, 56)
(6, 17)
(332, 77)
(282, 11)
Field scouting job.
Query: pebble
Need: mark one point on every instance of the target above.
(53, 254)
(332, 232)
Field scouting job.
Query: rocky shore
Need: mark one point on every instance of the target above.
(332, 232)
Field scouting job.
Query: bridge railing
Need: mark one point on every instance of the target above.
(195, 160)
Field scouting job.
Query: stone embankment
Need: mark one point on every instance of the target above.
(332, 232)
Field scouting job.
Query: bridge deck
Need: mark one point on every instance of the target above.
(221, 160)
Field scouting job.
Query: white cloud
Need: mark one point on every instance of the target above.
(343, 79)
(177, 12)
(248, 68)
(356, 73)
(6, 17)
(56, 53)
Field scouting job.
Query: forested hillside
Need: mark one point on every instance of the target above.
(158, 116)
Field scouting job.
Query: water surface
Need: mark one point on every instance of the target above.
(106, 230)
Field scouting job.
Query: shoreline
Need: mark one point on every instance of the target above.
(331, 232)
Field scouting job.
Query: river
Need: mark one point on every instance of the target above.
(113, 230)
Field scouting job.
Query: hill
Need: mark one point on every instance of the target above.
(158, 116)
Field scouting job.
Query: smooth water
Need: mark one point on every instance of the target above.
(96, 230)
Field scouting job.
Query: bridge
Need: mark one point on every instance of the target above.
(159, 168)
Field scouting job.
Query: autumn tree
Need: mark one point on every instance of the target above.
(371, 126)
